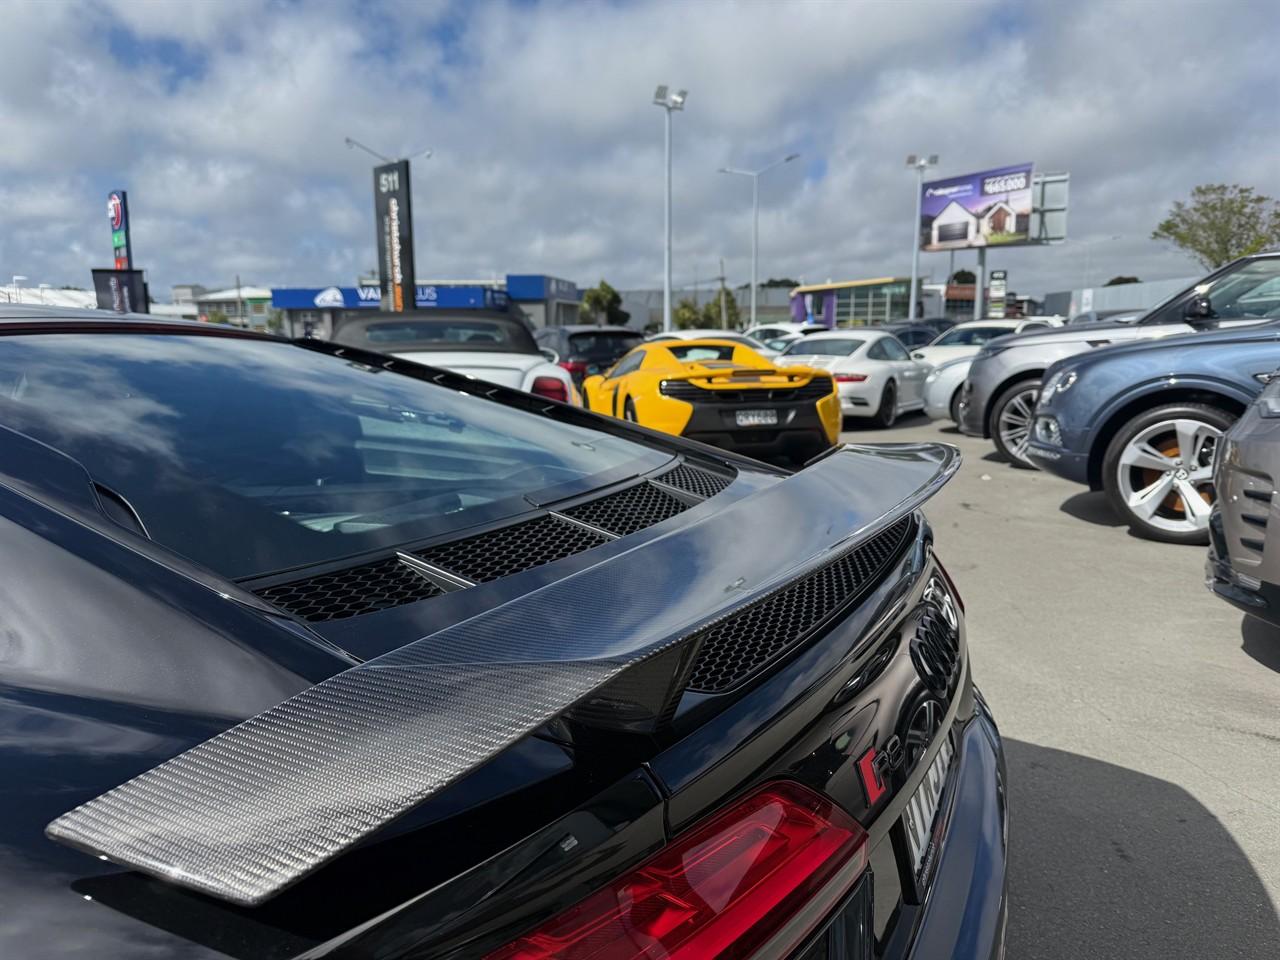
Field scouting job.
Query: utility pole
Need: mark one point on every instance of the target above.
(240, 303)
(724, 321)
(662, 97)
(921, 163)
(755, 220)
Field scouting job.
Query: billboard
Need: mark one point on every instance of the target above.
(120, 290)
(393, 214)
(986, 209)
(118, 218)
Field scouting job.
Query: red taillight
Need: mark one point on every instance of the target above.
(719, 891)
(552, 388)
(850, 377)
(576, 367)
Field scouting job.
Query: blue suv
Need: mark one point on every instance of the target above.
(1143, 420)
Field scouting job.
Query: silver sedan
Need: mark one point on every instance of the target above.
(942, 389)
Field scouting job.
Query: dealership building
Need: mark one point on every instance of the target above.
(542, 300)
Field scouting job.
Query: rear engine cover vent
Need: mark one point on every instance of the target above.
(508, 550)
(638, 506)
(346, 593)
(690, 479)
(738, 648)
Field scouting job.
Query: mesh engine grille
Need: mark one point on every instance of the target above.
(508, 550)
(736, 649)
(488, 556)
(629, 510)
(702, 483)
(347, 593)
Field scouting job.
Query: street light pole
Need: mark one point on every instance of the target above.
(1088, 257)
(921, 162)
(662, 97)
(755, 219)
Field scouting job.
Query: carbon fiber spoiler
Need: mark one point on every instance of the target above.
(247, 813)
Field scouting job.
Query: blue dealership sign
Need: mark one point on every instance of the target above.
(427, 296)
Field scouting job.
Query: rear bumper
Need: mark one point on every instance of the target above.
(963, 917)
(800, 431)
(1255, 597)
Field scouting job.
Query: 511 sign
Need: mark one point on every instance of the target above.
(393, 214)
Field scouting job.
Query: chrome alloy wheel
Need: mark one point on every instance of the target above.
(1014, 423)
(1165, 474)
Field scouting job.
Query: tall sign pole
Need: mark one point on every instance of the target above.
(393, 215)
(118, 218)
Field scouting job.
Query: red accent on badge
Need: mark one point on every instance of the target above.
(871, 781)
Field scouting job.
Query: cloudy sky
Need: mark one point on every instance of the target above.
(225, 122)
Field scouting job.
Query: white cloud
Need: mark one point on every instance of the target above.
(225, 122)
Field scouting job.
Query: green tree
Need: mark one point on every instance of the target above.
(604, 301)
(711, 311)
(1119, 281)
(963, 277)
(786, 282)
(217, 316)
(1220, 223)
(686, 315)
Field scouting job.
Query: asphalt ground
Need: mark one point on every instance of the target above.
(1141, 718)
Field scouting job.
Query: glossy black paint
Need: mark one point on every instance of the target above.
(116, 655)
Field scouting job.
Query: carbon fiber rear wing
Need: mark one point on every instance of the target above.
(263, 804)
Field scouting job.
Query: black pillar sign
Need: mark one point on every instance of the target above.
(118, 217)
(393, 212)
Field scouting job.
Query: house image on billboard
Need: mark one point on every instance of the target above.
(953, 225)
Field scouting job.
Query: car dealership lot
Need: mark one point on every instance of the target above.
(1141, 717)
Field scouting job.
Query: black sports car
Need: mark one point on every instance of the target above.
(313, 651)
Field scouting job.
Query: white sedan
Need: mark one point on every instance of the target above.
(875, 375)
(942, 389)
(966, 339)
(486, 346)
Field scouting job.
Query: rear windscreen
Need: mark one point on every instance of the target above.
(695, 352)
(394, 336)
(602, 347)
(253, 456)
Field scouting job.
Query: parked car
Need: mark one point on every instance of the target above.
(875, 375)
(938, 324)
(1143, 420)
(910, 335)
(723, 393)
(585, 349)
(782, 328)
(1243, 568)
(494, 347)
(701, 334)
(308, 650)
(1005, 377)
(1110, 316)
(966, 339)
(942, 388)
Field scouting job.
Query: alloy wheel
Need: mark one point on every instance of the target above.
(1165, 474)
(1014, 423)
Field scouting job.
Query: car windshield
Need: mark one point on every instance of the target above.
(824, 348)
(602, 346)
(252, 456)
(969, 336)
(437, 333)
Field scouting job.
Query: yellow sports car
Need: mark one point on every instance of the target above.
(722, 393)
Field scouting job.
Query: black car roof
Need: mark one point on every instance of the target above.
(35, 318)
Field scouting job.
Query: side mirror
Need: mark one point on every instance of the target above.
(1198, 310)
(551, 355)
(917, 355)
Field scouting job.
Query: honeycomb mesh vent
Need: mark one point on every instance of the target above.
(629, 510)
(739, 647)
(513, 549)
(350, 592)
(702, 483)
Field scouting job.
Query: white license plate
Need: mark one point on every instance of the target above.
(757, 418)
(923, 808)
